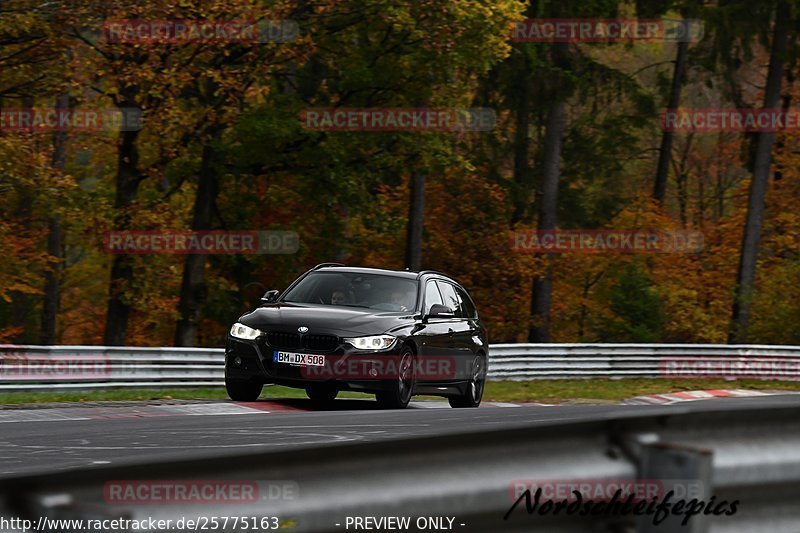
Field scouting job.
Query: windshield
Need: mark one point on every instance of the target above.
(373, 291)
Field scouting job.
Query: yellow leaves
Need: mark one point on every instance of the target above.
(9, 334)
(18, 286)
(776, 306)
(21, 259)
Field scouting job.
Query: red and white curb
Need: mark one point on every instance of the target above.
(432, 404)
(691, 396)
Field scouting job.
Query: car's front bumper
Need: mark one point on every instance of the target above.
(354, 371)
(347, 367)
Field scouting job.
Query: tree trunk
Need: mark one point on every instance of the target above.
(52, 277)
(665, 153)
(539, 329)
(699, 218)
(740, 319)
(193, 286)
(522, 171)
(22, 302)
(719, 186)
(127, 185)
(416, 220)
(682, 180)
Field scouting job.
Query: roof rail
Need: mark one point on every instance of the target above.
(423, 272)
(323, 265)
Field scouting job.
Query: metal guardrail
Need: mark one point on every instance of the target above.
(541, 361)
(749, 453)
(32, 368)
(40, 368)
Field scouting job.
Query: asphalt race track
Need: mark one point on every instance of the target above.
(79, 437)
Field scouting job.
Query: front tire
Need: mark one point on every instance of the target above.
(474, 393)
(243, 391)
(402, 387)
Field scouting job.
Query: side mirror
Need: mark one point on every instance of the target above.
(270, 296)
(440, 311)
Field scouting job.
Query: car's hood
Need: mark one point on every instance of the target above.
(324, 319)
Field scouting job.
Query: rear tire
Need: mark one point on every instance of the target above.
(474, 394)
(243, 391)
(321, 394)
(402, 387)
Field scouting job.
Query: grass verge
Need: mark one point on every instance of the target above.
(205, 393)
(545, 391)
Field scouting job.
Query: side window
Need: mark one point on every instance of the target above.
(449, 296)
(432, 296)
(467, 307)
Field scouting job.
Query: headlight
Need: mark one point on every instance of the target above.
(240, 331)
(378, 342)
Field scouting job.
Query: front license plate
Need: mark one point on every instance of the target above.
(302, 359)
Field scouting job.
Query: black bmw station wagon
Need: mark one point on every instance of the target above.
(391, 333)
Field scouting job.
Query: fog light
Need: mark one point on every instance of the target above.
(237, 361)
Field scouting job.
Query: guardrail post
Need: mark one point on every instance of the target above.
(682, 470)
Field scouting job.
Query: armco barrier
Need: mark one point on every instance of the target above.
(30, 368)
(558, 361)
(33, 368)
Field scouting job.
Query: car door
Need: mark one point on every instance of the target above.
(435, 341)
(459, 331)
(477, 340)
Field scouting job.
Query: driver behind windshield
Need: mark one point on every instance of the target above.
(401, 299)
(338, 297)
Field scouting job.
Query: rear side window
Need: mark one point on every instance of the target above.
(467, 307)
(432, 296)
(449, 296)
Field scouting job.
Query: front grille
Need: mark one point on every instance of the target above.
(287, 341)
(322, 343)
(281, 339)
